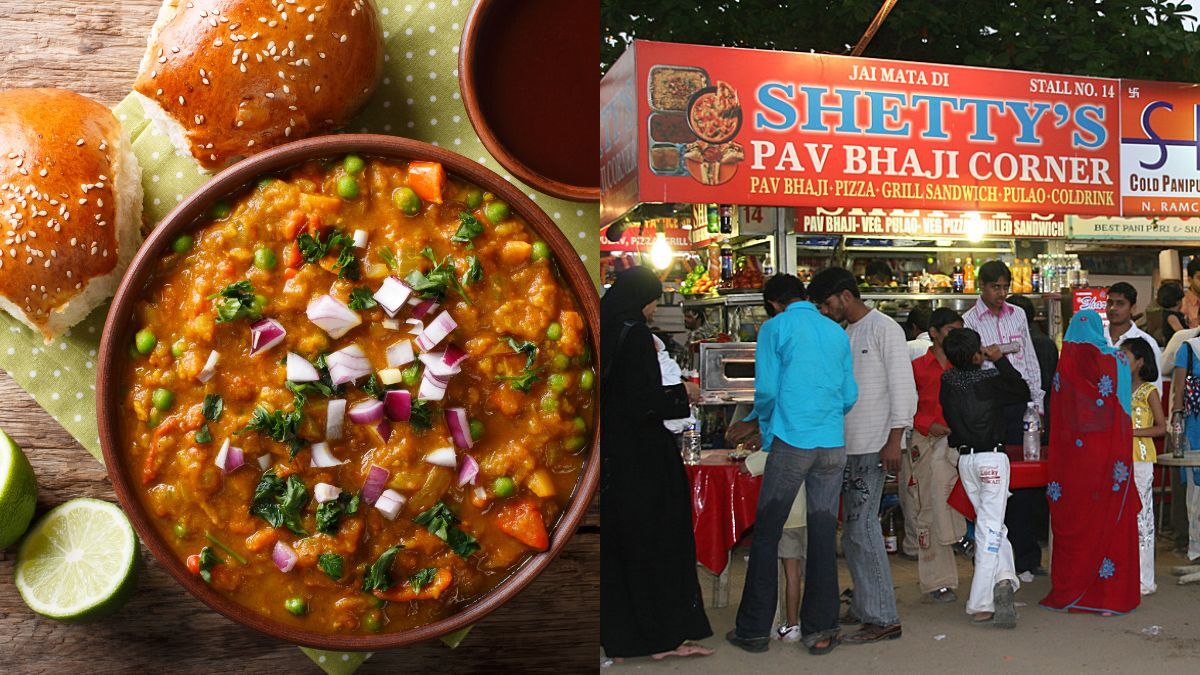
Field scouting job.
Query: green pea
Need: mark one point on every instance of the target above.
(133, 352)
(561, 362)
(411, 375)
(182, 244)
(181, 530)
(378, 602)
(554, 331)
(474, 198)
(372, 620)
(504, 486)
(541, 251)
(220, 210)
(264, 259)
(586, 380)
(407, 201)
(476, 430)
(557, 381)
(574, 443)
(549, 403)
(296, 605)
(496, 211)
(347, 187)
(178, 348)
(353, 164)
(162, 398)
(154, 418)
(260, 303)
(580, 424)
(145, 341)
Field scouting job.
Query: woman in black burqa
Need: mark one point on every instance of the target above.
(650, 602)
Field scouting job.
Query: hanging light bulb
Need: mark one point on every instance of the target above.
(975, 228)
(660, 251)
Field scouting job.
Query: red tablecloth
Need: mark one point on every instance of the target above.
(723, 503)
(1023, 475)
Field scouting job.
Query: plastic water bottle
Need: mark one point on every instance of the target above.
(690, 445)
(1177, 438)
(1032, 438)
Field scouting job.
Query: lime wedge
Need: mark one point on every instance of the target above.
(18, 492)
(78, 562)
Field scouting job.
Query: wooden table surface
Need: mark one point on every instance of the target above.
(552, 626)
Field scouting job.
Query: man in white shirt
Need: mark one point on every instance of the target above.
(1122, 298)
(875, 426)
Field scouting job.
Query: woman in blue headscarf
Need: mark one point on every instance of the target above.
(1093, 502)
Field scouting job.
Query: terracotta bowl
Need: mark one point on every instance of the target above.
(119, 328)
(486, 16)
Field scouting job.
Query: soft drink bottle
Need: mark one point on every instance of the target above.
(1032, 437)
(890, 542)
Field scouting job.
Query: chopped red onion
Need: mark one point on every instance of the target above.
(384, 430)
(322, 458)
(236, 459)
(369, 411)
(417, 326)
(284, 556)
(223, 455)
(460, 427)
(300, 370)
(436, 331)
(360, 239)
(443, 457)
(453, 355)
(348, 365)
(332, 315)
(431, 389)
(264, 461)
(389, 503)
(392, 295)
(435, 366)
(377, 477)
(210, 367)
(480, 494)
(400, 354)
(467, 471)
(264, 334)
(324, 492)
(398, 405)
(422, 307)
(335, 412)
(390, 324)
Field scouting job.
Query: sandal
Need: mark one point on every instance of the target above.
(830, 643)
(685, 648)
(983, 618)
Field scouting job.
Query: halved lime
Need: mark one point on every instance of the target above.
(79, 562)
(18, 492)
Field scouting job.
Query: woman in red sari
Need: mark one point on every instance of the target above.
(1093, 502)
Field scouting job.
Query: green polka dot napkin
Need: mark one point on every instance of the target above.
(418, 98)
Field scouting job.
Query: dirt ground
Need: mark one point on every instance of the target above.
(1160, 636)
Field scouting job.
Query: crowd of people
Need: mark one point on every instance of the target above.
(843, 397)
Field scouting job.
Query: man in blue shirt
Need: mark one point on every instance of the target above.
(803, 387)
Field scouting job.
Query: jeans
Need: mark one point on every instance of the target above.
(820, 471)
(862, 540)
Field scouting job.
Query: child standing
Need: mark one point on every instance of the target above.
(973, 401)
(1148, 424)
(671, 375)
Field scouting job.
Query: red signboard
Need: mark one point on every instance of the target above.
(1160, 148)
(618, 140)
(1091, 298)
(636, 238)
(792, 129)
(928, 224)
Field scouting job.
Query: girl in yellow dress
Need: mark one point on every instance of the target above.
(1148, 423)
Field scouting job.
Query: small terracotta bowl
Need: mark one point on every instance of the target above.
(119, 328)
(484, 17)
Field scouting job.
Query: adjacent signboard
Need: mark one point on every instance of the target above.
(1160, 148)
(1136, 228)
(640, 237)
(927, 224)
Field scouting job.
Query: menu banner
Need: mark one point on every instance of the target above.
(618, 140)
(1160, 148)
(1135, 228)
(926, 224)
(722, 125)
(637, 238)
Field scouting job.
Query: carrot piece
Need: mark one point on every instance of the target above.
(295, 222)
(427, 179)
(262, 539)
(290, 273)
(193, 563)
(522, 520)
(154, 457)
(292, 256)
(431, 591)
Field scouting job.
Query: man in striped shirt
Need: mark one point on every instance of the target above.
(1000, 323)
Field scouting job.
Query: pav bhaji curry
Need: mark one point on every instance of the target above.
(359, 395)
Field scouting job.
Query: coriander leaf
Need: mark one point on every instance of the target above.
(312, 248)
(329, 514)
(373, 388)
(235, 301)
(378, 576)
(469, 227)
(213, 406)
(280, 503)
(437, 282)
(208, 560)
(440, 522)
(278, 426)
(203, 434)
(388, 258)
(347, 265)
(529, 349)
(292, 504)
(521, 382)
(422, 578)
(421, 415)
(301, 390)
(474, 271)
(331, 564)
(352, 503)
(462, 543)
(362, 298)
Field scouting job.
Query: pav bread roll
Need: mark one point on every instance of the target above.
(70, 206)
(228, 78)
